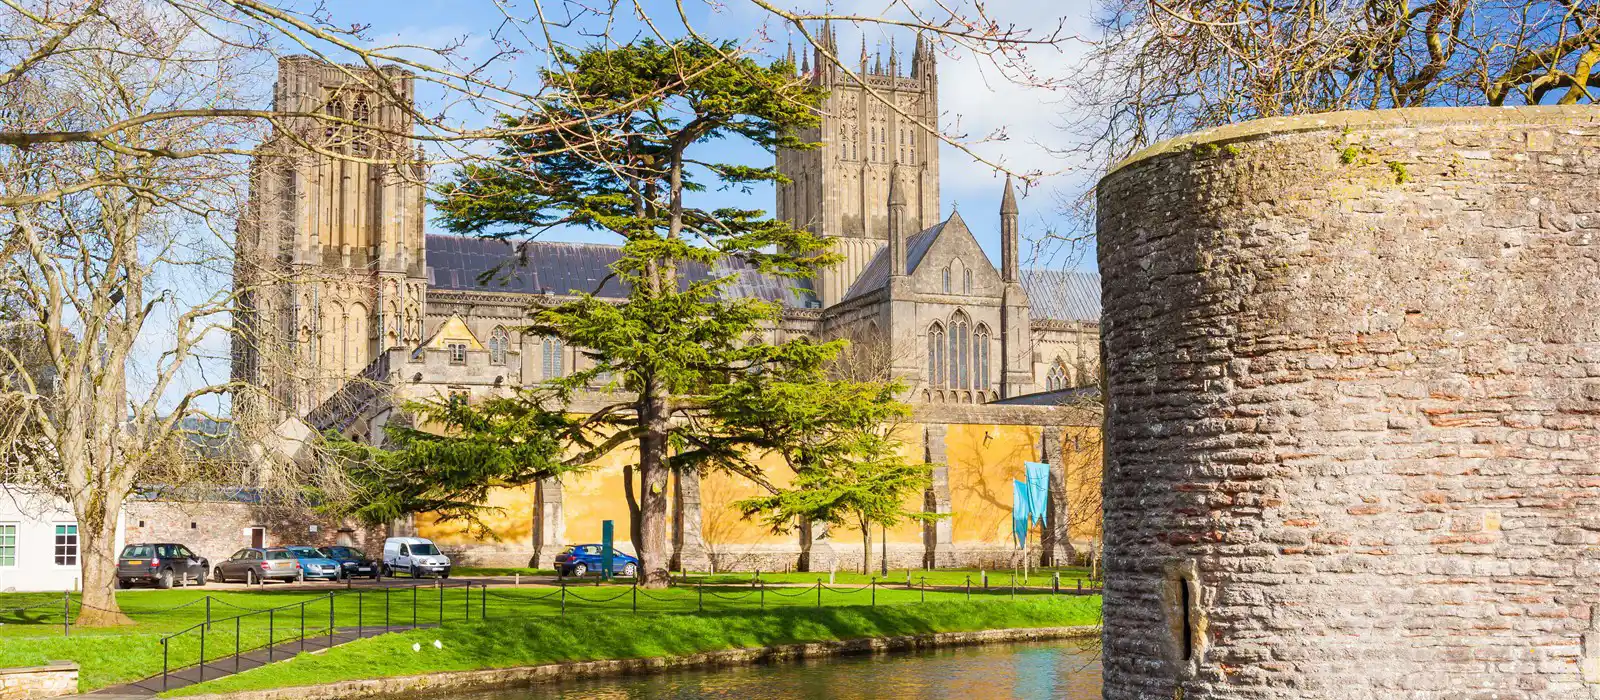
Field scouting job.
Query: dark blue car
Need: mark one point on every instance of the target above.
(582, 559)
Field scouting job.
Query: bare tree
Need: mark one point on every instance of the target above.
(1161, 68)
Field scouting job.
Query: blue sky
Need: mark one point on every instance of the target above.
(1003, 121)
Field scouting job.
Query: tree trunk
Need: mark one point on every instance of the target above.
(97, 536)
(632, 497)
(653, 473)
(804, 565)
(866, 549)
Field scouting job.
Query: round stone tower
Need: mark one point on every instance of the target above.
(1353, 370)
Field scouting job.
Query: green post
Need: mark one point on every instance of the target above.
(819, 591)
(874, 591)
(563, 597)
(66, 614)
(700, 590)
(607, 532)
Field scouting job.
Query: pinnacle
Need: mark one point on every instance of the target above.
(1008, 201)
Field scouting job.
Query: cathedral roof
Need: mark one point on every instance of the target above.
(462, 263)
(1062, 295)
(876, 274)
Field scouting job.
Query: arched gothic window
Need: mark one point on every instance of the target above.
(1056, 379)
(966, 283)
(947, 280)
(980, 357)
(960, 352)
(936, 356)
(552, 358)
(499, 343)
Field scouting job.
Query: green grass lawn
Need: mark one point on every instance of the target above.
(614, 635)
(125, 654)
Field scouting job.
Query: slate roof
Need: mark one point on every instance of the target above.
(1062, 295)
(1058, 397)
(461, 263)
(876, 274)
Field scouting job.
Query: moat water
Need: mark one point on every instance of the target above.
(1054, 670)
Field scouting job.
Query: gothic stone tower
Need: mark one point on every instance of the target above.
(841, 189)
(330, 266)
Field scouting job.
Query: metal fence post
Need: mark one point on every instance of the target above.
(359, 609)
(236, 642)
(700, 588)
(1013, 585)
(563, 597)
(386, 590)
(636, 595)
(969, 586)
(66, 614)
(163, 664)
(330, 620)
(302, 627)
(819, 591)
(208, 609)
(1055, 584)
(440, 590)
(202, 653)
(874, 591)
(763, 596)
(271, 633)
(413, 606)
(467, 603)
(483, 602)
(924, 589)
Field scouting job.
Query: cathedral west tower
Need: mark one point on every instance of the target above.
(330, 268)
(841, 189)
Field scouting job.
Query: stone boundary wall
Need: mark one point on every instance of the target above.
(27, 683)
(452, 683)
(1354, 409)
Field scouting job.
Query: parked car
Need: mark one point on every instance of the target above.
(416, 556)
(253, 564)
(581, 559)
(162, 564)
(315, 564)
(354, 562)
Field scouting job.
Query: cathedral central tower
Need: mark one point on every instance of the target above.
(879, 118)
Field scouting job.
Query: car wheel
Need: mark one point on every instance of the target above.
(384, 570)
(200, 577)
(164, 581)
(122, 584)
(630, 570)
(580, 569)
(249, 577)
(216, 575)
(444, 575)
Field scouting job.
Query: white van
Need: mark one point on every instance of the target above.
(415, 556)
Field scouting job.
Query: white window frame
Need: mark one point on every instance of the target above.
(77, 545)
(16, 530)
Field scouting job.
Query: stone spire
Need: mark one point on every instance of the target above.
(897, 225)
(1008, 234)
(894, 60)
(864, 55)
(790, 56)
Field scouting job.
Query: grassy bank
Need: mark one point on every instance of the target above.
(124, 654)
(535, 641)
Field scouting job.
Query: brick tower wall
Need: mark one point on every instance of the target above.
(1354, 375)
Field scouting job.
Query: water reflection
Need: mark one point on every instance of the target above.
(1022, 671)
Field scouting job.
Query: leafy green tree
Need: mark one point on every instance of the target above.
(679, 353)
(852, 474)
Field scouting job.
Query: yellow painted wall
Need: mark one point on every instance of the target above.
(983, 460)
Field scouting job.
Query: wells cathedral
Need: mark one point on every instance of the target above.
(353, 308)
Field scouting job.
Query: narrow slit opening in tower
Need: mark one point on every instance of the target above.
(1186, 640)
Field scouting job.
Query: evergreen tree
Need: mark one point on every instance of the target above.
(680, 354)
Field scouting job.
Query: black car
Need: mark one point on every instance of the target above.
(162, 564)
(353, 562)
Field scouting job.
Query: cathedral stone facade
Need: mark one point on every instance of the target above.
(352, 308)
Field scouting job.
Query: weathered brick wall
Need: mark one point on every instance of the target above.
(32, 682)
(1354, 368)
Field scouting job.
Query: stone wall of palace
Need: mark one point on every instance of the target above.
(1353, 370)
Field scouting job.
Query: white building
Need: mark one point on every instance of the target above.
(39, 547)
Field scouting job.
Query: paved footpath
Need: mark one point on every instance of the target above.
(228, 665)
